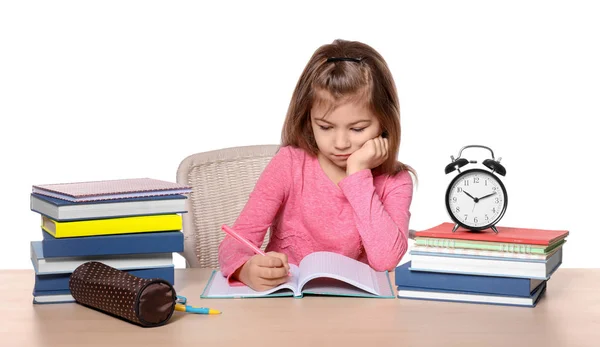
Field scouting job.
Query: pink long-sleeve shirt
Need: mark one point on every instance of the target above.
(362, 217)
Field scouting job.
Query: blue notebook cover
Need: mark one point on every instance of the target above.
(465, 283)
(45, 284)
(138, 243)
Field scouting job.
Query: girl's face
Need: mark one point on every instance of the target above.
(343, 130)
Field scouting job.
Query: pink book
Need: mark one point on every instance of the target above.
(110, 189)
(505, 234)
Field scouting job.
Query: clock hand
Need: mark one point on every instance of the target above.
(486, 196)
(471, 196)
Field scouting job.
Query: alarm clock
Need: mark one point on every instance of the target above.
(476, 199)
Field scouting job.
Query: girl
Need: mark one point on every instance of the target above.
(335, 184)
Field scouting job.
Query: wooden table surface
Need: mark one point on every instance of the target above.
(567, 315)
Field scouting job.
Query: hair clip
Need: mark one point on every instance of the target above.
(334, 59)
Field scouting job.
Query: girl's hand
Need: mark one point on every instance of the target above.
(264, 272)
(372, 154)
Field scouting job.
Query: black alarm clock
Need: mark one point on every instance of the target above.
(476, 199)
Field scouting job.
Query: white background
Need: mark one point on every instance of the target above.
(122, 89)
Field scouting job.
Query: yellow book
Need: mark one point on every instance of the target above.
(112, 226)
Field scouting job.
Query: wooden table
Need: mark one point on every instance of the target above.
(568, 315)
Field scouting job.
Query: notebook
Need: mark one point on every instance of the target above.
(319, 273)
(110, 189)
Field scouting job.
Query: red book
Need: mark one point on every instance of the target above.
(505, 234)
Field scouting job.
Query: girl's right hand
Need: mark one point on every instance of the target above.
(265, 272)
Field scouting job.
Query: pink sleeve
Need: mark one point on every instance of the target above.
(382, 222)
(258, 214)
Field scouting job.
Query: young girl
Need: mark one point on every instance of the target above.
(335, 184)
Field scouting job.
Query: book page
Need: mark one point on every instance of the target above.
(219, 287)
(339, 267)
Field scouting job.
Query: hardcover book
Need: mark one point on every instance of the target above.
(52, 297)
(505, 234)
(319, 273)
(137, 243)
(54, 282)
(486, 266)
(110, 189)
(112, 226)
(508, 286)
(62, 210)
(474, 298)
(43, 265)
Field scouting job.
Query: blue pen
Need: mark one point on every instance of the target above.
(182, 307)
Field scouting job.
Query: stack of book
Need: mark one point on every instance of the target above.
(508, 268)
(133, 225)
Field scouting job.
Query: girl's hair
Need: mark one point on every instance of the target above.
(345, 70)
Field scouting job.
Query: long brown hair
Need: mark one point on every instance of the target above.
(363, 72)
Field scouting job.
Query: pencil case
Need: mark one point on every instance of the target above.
(145, 302)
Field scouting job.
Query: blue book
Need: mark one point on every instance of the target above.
(62, 210)
(137, 243)
(470, 297)
(46, 284)
(522, 287)
(52, 297)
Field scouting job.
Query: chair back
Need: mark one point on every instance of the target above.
(221, 182)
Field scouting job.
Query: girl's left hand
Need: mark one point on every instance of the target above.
(372, 154)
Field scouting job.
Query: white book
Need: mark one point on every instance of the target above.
(319, 273)
(486, 266)
(62, 210)
(57, 265)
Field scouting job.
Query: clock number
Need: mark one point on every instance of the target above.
(494, 210)
(475, 220)
(466, 217)
(486, 182)
(454, 199)
(493, 189)
(475, 179)
(458, 189)
(466, 182)
(486, 217)
(457, 209)
(497, 200)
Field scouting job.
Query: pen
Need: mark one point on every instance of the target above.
(243, 241)
(236, 236)
(193, 309)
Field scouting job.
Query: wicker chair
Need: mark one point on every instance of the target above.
(221, 182)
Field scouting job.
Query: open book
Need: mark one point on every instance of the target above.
(319, 273)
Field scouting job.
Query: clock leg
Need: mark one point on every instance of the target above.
(455, 227)
(494, 228)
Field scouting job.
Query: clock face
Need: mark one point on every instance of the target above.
(476, 199)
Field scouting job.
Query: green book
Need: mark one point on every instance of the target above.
(319, 273)
(488, 246)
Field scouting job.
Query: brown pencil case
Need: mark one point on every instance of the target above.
(146, 302)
